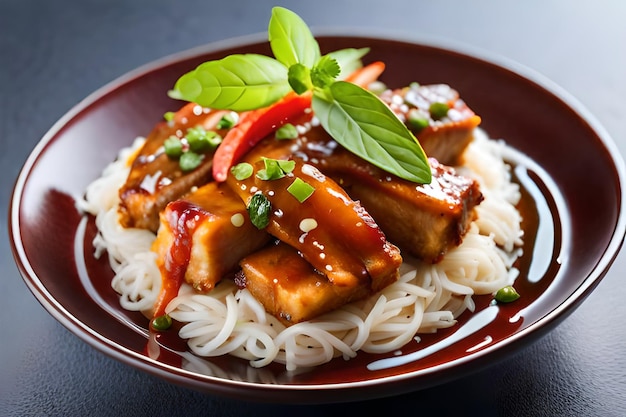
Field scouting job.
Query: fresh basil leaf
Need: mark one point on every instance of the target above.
(238, 82)
(363, 124)
(349, 60)
(291, 39)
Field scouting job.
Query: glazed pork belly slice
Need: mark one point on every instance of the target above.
(202, 237)
(442, 136)
(290, 288)
(424, 220)
(156, 179)
(330, 230)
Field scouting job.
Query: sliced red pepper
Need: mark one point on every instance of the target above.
(254, 126)
(366, 75)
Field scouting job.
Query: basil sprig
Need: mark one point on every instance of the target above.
(353, 116)
(362, 123)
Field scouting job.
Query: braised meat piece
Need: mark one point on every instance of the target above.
(290, 288)
(424, 220)
(332, 232)
(203, 236)
(156, 179)
(439, 118)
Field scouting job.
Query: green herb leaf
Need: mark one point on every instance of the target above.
(417, 121)
(238, 82)
(201, 140)
(349, 60)
(259, 210)
(291, 39)
(168, 116)
(324, 72)
(286, 165)
(363, 124)
(300, 189)
(242, 171)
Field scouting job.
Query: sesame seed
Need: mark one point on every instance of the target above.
(308, 224)
(237, 219)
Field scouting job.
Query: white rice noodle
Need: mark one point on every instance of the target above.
(231, 321)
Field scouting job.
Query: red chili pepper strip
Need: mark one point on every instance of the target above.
(366, 75)
(252, 127)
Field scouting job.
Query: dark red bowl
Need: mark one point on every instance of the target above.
(565, 160)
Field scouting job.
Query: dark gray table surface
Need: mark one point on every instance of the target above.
(54, 53)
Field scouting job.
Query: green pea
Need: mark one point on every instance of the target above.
(438, 110)
(163, 322)
(506, 294)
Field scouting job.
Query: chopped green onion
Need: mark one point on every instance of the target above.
(201, 140)
(163, 322)
(173, 147)
(506, 294)
(275, 169)
(169, 116)
(438, 110)
(259, 211)
(300, 189)
(242, 171)
(190, 161)
(228, 120)
(416, 120)
(287, 131)
(286, 166)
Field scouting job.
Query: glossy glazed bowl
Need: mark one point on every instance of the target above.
(565, 161)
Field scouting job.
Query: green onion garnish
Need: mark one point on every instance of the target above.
(416, 120)
(300, 189)
(227, 121)
(169, 116)
(173, 147)
(275, 169)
